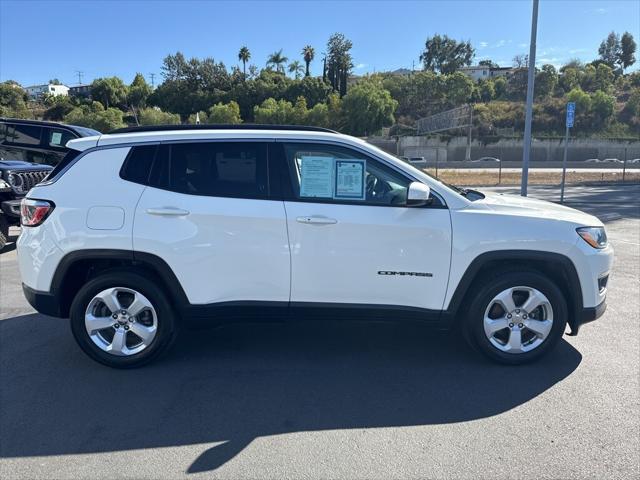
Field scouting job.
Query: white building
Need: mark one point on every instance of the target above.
(37, 91)
(484, 72)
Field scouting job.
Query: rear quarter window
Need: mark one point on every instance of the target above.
(137, 166)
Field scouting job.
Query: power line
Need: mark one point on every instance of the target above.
(80, 75)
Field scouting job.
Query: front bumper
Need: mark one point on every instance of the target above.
(11, 208)
(44, 302)
(588, 314)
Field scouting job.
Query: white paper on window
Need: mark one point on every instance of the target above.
(349, 179)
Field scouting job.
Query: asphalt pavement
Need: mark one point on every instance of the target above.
(330, 400)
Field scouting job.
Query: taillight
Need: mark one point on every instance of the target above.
(34, 212)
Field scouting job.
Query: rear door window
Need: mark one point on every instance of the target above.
(217, 169)
(22, 134)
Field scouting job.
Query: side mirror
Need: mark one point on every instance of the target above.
(418, 195)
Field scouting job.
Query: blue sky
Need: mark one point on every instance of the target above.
(40, 40)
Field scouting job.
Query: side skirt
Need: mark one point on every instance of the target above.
(259, 312)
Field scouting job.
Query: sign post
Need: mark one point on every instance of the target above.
(571, 113)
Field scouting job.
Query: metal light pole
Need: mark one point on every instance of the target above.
(571, 108)
(529, 107)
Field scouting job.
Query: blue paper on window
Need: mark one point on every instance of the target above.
(316, 177)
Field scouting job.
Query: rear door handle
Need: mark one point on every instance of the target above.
(317, 220)
(167, 211)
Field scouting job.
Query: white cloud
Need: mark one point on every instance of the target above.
(484, 44)
(501, 43)
(360, 66)
(577, 50)
(523, 45)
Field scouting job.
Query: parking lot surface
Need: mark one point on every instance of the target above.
(330, 400)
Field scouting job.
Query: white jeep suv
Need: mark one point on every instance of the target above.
(142, 230)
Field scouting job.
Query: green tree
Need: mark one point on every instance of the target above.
(627, 51)
(546, 81)
(110, 91)
(277, 60)
(367, 108)
(308, 54)
(604, 78)
(446, 55)
(459, 88)
(96, 116)
(581, 99)
(296, 68)
(228, 113)
(138, 92)
(55, 81)
(155, 116)
(569, 79)
(609, 50)
(488, 63)
(602, 106)
(339, 62)
(244, 55)
(273, 111)
(13, 100)
(487, 90)
(300, 112)
(58, 107)
(500, 85)
(318, 116)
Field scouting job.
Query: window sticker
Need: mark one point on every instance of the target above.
(316, 177)
(349, 179)
(56, 138)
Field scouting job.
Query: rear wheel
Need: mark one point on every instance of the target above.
(516, 317)
(122, 319)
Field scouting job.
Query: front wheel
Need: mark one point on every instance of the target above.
(122, 319)
(516, 317)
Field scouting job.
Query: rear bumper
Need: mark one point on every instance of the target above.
(44, 302)
(588, 314)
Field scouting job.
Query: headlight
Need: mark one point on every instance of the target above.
(594, 236)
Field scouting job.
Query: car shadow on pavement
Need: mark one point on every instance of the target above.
(238, 383)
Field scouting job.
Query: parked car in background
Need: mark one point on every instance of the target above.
(419, 162)
(612, 160)
(592, 160)
(486, 159)
(28, 151)
(149, 228)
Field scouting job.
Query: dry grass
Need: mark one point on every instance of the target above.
(486, 178)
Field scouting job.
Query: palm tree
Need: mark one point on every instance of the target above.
(296, 68)
(277, 60)
(308, 53)
(244, 55)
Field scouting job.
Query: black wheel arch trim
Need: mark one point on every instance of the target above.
(567, 268)
(142, 259)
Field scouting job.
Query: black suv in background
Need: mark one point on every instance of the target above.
(29, 149)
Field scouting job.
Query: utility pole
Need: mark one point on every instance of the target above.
(152, 75)
(80, 75)
(526, 153)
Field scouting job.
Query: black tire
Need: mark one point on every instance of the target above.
(473, 327)
(166, 319)
(4, 231)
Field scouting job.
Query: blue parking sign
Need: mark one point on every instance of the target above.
(571, 113)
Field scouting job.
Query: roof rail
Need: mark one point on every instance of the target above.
(242, 126)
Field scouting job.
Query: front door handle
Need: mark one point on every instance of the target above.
(317, 220)
(167, 211)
